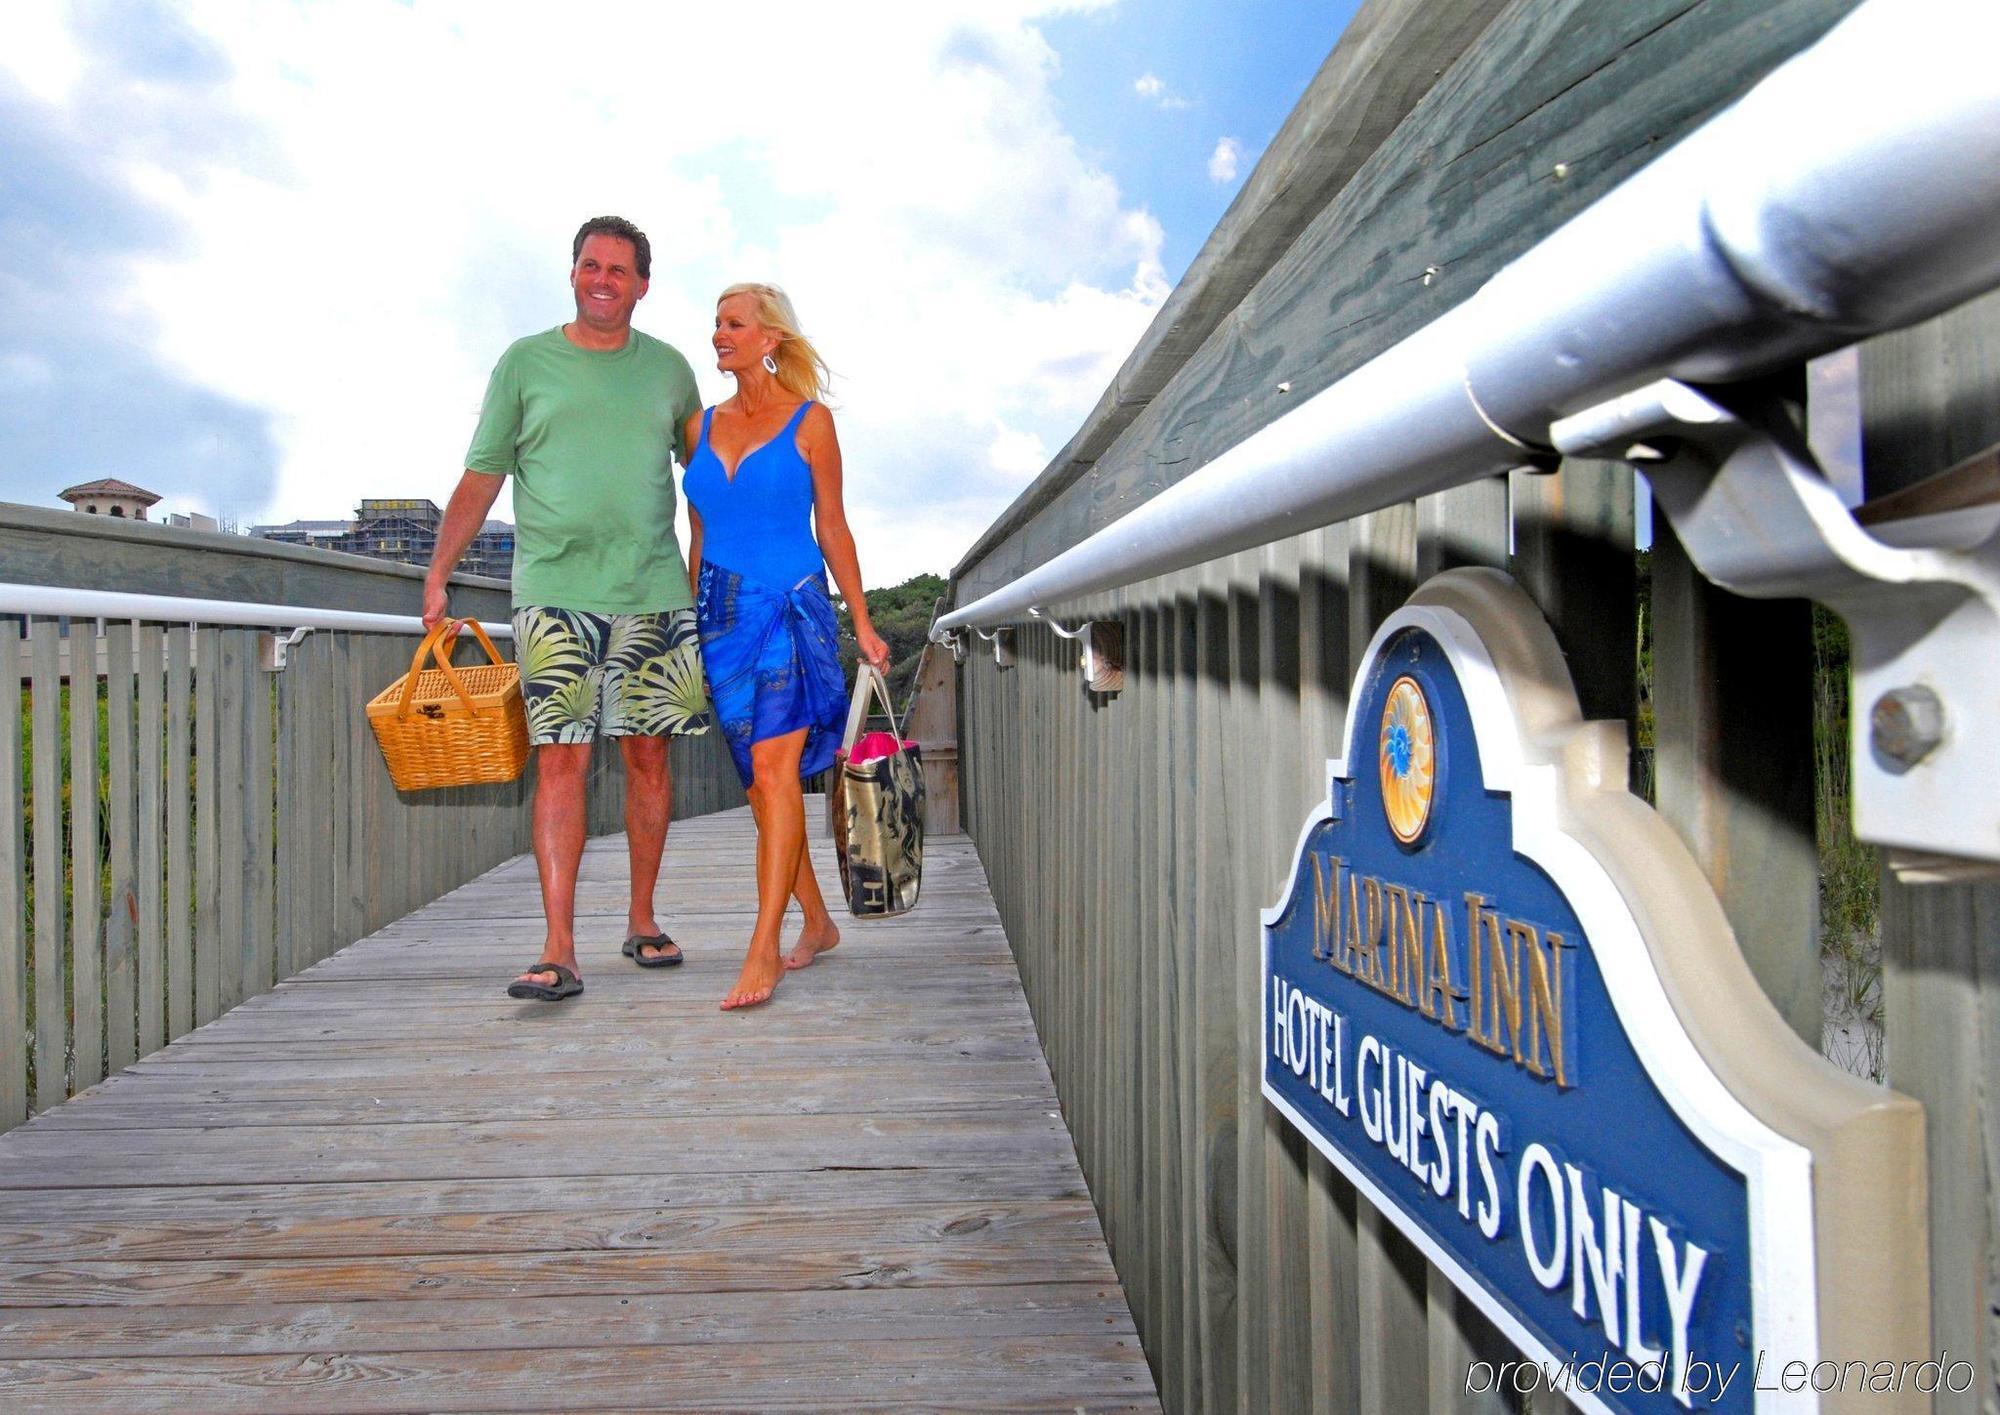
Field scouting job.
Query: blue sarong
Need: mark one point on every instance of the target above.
(773, 661)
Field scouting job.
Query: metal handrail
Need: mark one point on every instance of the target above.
(173, 609)
(1855, 190)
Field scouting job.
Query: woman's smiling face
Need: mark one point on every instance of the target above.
(741, 340)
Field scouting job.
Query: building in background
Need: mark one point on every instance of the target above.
(191, 521)
(400, 529)
(111, 497)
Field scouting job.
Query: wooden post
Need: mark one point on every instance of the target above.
(1930, 399)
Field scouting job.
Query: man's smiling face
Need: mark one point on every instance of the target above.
(606, 281)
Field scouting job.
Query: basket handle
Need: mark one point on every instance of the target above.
(435, 643)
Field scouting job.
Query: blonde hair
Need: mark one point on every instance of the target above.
(800, 368)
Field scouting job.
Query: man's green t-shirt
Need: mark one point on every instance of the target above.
(588, 437)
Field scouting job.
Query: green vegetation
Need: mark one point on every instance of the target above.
(902, 615)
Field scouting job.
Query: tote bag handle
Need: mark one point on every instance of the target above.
(868, 682)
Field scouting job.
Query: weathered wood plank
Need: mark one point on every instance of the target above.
(121, 919)
(1250, 809)
(86, 933)
(231, 939)
(1285, 792)
(1071, 1372)
(211, 776)
(51, 1021)
(1212, 1132)
(149, 942)
(14, 1042)
(430, 1324)
(259, 827)
(180, 788)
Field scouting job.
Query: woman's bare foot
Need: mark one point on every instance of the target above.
(759, 979)
(812, 943)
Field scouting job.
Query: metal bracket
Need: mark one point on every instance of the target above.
(1921, 599)
(953, 639)
(1103, 659)
(275, 647)
(1003, 646)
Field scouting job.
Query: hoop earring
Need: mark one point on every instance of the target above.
(770, 365)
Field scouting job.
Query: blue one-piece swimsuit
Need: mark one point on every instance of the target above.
(769, 639)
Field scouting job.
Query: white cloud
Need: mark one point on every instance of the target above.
(1224, 161)
(1153, 88)
(972, 278)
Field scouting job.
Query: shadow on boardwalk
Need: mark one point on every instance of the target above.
(386, 1186)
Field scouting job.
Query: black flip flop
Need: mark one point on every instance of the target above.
(567, 984)
(658, 960)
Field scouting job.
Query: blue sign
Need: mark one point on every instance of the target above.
(1459, 1009)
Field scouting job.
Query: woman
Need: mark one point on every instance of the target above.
(764, 475)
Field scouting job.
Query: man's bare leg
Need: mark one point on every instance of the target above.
(779, 805)
(561, 769)
(649, 805)
(820, 933)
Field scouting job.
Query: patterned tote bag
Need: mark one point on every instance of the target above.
(875, 808)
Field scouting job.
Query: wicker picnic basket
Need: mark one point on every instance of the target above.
(448, 726)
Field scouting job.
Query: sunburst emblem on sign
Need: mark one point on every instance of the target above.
(1408, 760)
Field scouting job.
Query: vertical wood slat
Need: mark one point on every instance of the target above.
(121, 919)
(209, 777)
(1214, 1031)
(14, 1050)
(1244, 786)
(1146, 765)
(334, 683)
(1187, 1382)
(1287, 792)
(181, 786)
(231, 937)
(149, 946)
(51, 991)
(289, 908)
(1332, 1258)
(86, 934)
(260, 825)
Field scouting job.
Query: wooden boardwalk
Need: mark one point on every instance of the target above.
(386, 1186)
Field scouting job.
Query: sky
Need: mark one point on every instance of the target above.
(259, 257)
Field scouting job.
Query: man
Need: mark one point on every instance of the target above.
(586, 418)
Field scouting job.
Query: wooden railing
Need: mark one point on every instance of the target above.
(192, 823)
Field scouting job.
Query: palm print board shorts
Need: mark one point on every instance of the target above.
(619, 675)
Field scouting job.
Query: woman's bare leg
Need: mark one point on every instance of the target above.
(819, 933)
(779, 805)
